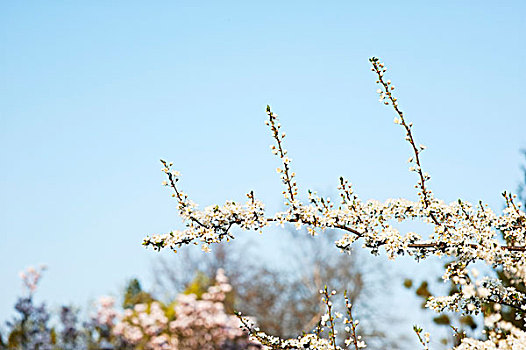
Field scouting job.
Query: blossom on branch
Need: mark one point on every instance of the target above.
(462, 230)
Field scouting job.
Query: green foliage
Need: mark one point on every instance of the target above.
(468, 321)
(15, 338)
(442, 319)
(423, 290)
(135, 295)
(199, 285)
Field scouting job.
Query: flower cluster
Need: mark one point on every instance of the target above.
(105, 312)
(31, 277)
(190, 323)
(503, 337)
(323, 337)
(211, 225)
(204, 324)
(145, 325)
(463, 231)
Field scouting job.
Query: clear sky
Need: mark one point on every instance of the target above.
(93, 93)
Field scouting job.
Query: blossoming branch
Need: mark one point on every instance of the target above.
(464, 231)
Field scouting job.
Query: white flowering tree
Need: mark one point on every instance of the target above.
(466, 232)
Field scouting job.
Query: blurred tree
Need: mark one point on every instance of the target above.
(285, 299)
(30, 329)
(70, 336)
(134, 294)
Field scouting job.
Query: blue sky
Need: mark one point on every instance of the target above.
(94, 93)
